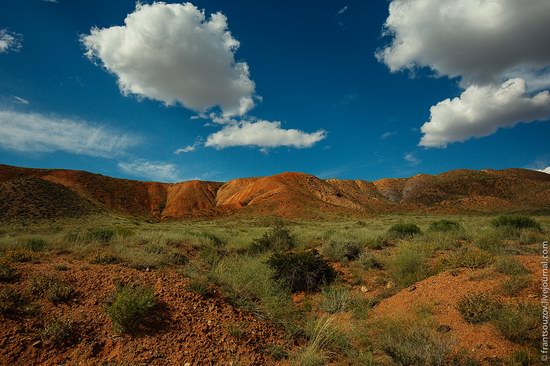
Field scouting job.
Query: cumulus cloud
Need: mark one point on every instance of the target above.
(32, 132)
(545, 170)
(263, 134)
(498, 49)
(174, 54)
(10, 41)
(156, 171)
(481, 110)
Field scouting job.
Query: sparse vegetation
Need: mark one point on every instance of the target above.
(510, 266)
(14, 303)
(58, 331)
(102, 235)
(514, 285)
(303, 271)
(336, 298)
(53, 288)
(7, 272)
(410, 264)
(130, 307)
(478, 307)
(471, 258)
(519, 323)
(200, 286)
(340, 251)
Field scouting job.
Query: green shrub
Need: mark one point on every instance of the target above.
(14, 303)
(102, 235)
(339, 251)
(36, 244)
(510, 266)
(404, 230)
(410, 264)
(445, 226)
(335, 299)
(303, 271)
(279, 239)
(130, 307)
(514, 285)
(478, 307)
(7, 272)
(58, 331)
(413, 343)
(519, 323)
(516, 222)
(53, 288)
(491, 241)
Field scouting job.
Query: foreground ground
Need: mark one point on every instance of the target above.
(459, 293)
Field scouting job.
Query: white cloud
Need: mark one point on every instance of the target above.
(32, 132)
(51, 1)
(189, 148)
(545, 170)
(481, 110)
(263, 134)
(156, 171)
(10, 41)
(477, 40)
(499, 50)
(172, 53)
(412, 159)
(20, 100)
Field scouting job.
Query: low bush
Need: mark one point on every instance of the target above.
(491, 241)
(414, 343)
(58, 332)
(516, 222)
(340, 251)
(200, 285)
(7, 272)
(369, 261)
(445, 226)
(130, 307)
(19, 255)
(519, 323)
(404, 230)
(469, 257)
(510, 266)
(478, 307)
(302, 271)
(36, 244)
(102, 235)
(335, 299)
(53, 288)
(278, 239)
(14, 303)
(514, 285)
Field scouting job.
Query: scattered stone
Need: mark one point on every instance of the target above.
(443, 328)
(37, 344)
(412, 288)
(364, 289)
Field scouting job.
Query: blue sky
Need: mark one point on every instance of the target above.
(323, 102)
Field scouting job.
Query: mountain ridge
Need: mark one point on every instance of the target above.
(288, 194)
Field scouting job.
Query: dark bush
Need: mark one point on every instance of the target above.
(516, 222)
(58, 331)
(130, 307)
(279, 239)
(35, 244)
(14, 303)
(102, 235)
(303, 271)
(336, 250)
(478, 307)
(7, 273)
(445, 226)
(403, 230)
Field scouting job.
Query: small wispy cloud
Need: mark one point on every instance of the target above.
(20, 100)
(385, 135)
(157, 171)
(35, 133)
(51, 1)
(412, 159)
(343, 10)
(189, 148)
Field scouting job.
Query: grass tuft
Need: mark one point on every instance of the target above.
(403, 230)
(130, 307)
(477, 308)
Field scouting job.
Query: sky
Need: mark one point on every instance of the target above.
(216, 90)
